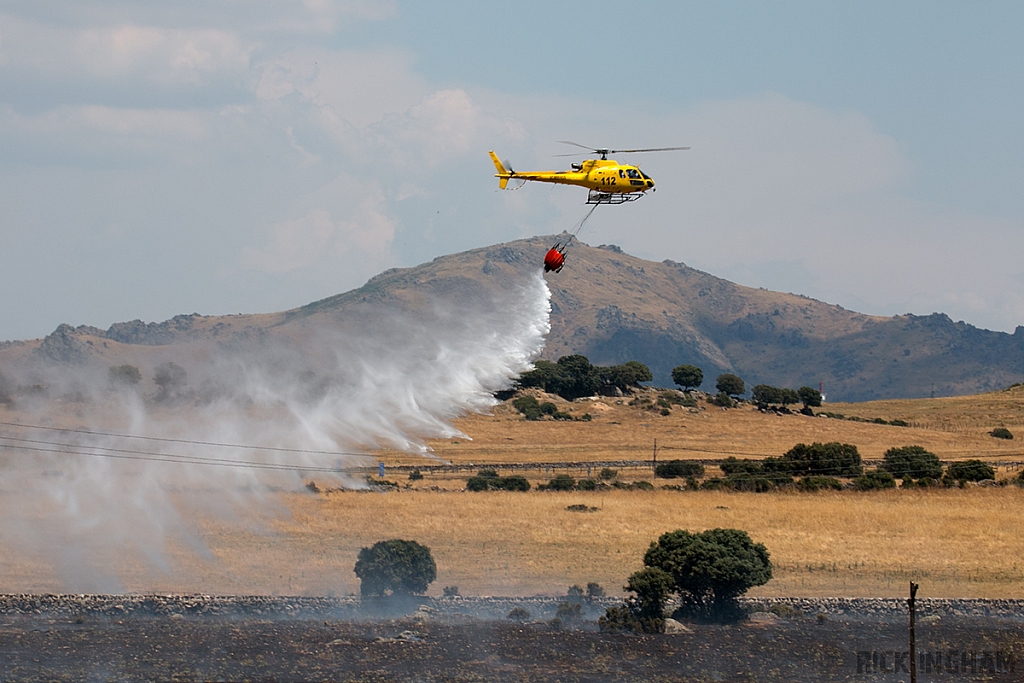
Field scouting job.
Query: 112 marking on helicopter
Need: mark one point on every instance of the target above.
(609, 181)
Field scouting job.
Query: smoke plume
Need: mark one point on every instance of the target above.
(121, 470)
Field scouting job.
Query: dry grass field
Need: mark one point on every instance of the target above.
(954, 542)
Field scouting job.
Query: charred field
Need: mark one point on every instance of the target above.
(284, 639)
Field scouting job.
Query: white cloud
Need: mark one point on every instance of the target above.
(355, 234)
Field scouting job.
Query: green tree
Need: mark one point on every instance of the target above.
(395, 567)
(687, 376)
(765, 395)
(1001, 433)
(170, 380)
(670, 469)
(644, 612)
(810, 397)
(788, 397)
(710, 570)
(574, 378)
(543, 371)
(911, 462)
(730, 384)
(823, 459)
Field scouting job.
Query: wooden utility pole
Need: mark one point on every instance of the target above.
(913, 649)
(654, 465)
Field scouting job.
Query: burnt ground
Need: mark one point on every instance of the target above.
(433, 646)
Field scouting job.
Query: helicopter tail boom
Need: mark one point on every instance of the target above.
(503, 174)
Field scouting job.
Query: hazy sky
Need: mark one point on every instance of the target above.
(225, 156)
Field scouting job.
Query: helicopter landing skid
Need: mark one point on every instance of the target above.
(596, 197)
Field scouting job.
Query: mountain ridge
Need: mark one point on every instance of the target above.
(614, 307)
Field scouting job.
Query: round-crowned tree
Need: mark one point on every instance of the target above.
(687, 376)
(395, 567)
(730, 384)
(809, 396)
(710, 570)
(911, 462)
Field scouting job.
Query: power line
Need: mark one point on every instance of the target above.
(185, 441)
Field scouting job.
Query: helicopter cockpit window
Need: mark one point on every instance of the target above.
(621, 174)
(633, 173)
(646, 177)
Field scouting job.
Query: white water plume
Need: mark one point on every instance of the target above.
(117, 475)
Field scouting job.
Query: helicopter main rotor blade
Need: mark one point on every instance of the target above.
(652, 149)
(576, 144)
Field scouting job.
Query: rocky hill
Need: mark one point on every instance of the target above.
(613, 307)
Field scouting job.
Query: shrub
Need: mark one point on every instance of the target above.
(722, 399)
(970, 470)
(514, 482)
(710, 570)
(819, 483)
(487, 473)
(733, 465)
(561, 415)
(124, 375)
(561, 482)
(671, 469)
(586, 485)
(643, 486)
(170, 380)
(607, 473)
(594, 591)
(478, 484)
(575, 593)
(569, 613)
(528, 406)
(395, 567)
(875, 479)
(687, 376)
(1001, 433)
(911, 462)
(450, 591)
(645, 611)
(548, 408)
(519, 614)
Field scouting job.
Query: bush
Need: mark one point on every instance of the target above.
(710, 570)
(911, 462)
(450, 591)
(124, 376)
(395, 567)
(415, 475)
(733, 465)
(561, 482)
(722, 399)
(671, 469)
(478, 484)
(519, 614)
(1001, 433)
(528, 406)
(873, 480)
(489, 480)
(170, 380)
(643, 486)
(548, 408)
(607, 473)
(645, 611)
(970, 470)
(570, 613)
(561, 415)
(687, 376)
(819, 483)
(594, 591)
(586, 485)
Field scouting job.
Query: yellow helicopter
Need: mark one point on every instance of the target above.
(609, 181)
